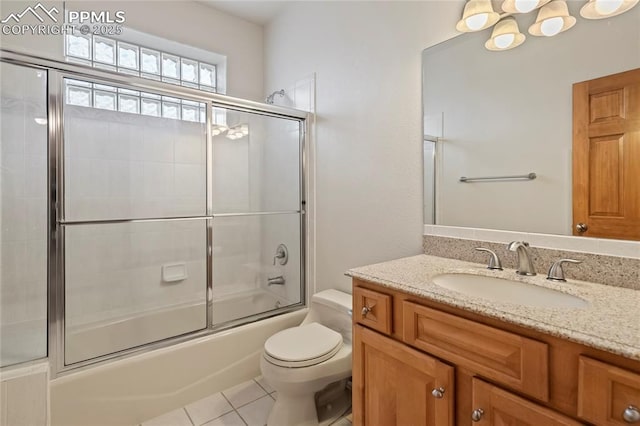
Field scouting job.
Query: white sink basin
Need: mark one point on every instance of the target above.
(503, 290)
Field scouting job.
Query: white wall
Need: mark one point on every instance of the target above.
(367, 60)
(185, 22)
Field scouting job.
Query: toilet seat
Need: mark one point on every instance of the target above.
(302, 346)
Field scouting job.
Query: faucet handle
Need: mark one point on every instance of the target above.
(556, 273)
(282, 255)
(494, 260)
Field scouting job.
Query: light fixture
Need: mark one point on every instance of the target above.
(218, 129)
(600, 9)
(477, 15)
(237, 132)
(522, 6)
(505, 36)
(552, 19)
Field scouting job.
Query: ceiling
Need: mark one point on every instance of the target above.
(257, 11)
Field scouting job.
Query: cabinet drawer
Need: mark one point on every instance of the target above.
(372, 309)
(494, 406)
(605, 392)
(515, 361)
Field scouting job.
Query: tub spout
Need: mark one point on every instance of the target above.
(276, 281)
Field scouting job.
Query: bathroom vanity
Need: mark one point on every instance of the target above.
(427, 355)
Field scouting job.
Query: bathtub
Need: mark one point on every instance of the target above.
(106, 337)
(134, 389)
(230, 307)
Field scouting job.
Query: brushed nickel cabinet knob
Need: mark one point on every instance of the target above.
(631, 414)
(365, 311)
(438, 393)
(477, 414)
(582, 227)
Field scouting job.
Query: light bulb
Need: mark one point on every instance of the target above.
(504, 40)
(476, 22)
(607, 7)
(552, 26)
(524, 6)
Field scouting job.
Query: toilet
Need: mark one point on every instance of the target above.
(309, 365)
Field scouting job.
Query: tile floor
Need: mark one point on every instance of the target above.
(246, 404)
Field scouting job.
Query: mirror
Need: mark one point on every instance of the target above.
(510, 113)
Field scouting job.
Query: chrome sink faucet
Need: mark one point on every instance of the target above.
(525, 265)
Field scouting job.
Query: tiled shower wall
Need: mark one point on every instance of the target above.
(124, 165)
(23, 214)
(121, 166)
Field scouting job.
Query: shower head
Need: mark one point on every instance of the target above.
(269, 99)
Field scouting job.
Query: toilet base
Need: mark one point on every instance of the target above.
(293, 410)
(332, 403)
(319, 409)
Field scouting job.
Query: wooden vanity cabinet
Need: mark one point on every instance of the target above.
(396, 385)
(419, 362)
(496, 406)
(605, 392)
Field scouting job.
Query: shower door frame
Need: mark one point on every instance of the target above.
(57, 71)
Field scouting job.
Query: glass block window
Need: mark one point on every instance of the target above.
(132, 59)
(104, 50)
(82, 93)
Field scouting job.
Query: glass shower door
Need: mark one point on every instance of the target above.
(257, 214)
(23, 214)
(135, 225)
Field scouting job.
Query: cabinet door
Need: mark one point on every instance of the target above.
(395, 385)
(497, 407)
(607, 395)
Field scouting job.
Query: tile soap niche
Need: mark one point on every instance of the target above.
(174, 272)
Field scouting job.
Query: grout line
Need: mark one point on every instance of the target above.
(260, 397)
(253, 400)
(234, 409)
(188, 416)
(262, 387)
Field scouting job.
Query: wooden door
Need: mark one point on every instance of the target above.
(496, 407)
(606, 156)
(393, 384)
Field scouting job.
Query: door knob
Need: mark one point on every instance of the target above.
(477, 414)
(438, 393)
(631, 414)
(582, 227)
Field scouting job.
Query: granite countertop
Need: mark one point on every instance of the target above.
(610, 322)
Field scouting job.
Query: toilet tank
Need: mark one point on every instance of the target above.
(332, 308)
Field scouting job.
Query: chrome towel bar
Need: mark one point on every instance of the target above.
(529, 176)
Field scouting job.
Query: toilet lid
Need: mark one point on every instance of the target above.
(302, 346)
